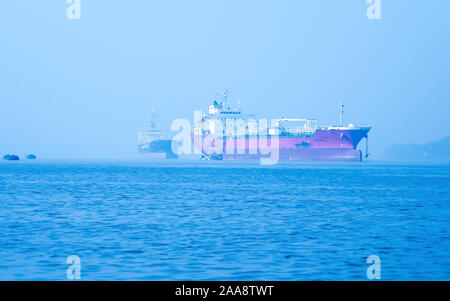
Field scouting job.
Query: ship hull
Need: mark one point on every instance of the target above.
(307, 155)
(324, 146)
(158, 149)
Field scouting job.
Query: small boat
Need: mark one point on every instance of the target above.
(11, 157)
(31, 157)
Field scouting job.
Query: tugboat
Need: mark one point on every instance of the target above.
(11, 157)
(153, 144)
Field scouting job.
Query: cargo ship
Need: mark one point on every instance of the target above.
(297, 139)
(153, 143)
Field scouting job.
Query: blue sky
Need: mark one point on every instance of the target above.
(84, 88)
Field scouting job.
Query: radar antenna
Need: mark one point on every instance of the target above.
(341, 111)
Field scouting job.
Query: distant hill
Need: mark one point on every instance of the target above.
(431, 152)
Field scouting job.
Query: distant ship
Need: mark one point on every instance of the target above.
(153, 144)
(307, 141)
(11, 157)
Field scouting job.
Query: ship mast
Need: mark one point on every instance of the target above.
(153, 120)
(341, 111)
(225, 97)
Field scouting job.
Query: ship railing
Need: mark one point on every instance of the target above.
(300, 130)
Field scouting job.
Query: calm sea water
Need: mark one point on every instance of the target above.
(216, 221)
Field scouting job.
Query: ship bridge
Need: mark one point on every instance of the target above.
(219, 110)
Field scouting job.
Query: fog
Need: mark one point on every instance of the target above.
(85, 88)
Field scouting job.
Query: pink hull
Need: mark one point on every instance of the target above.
(307, 155)
(325, 145)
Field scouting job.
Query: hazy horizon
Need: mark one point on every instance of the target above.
(83, 89)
